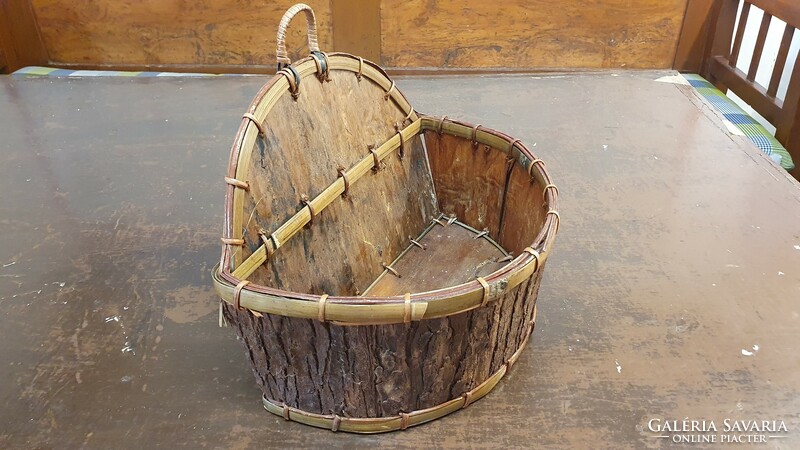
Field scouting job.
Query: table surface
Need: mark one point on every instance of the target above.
(679, 255)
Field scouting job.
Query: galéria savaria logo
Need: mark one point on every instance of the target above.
(726, 431)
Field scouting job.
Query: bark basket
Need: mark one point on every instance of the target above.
(381, 266)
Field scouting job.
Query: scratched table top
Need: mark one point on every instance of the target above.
(673, 291)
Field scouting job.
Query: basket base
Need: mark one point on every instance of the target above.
(373, 425)
(447, 253)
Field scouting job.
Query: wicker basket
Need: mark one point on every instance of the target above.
(381, 266)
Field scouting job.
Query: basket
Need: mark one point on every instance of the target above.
(380, 266)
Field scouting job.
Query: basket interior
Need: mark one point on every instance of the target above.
(449, 253)
(444, 213)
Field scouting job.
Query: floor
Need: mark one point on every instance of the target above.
(673, 290)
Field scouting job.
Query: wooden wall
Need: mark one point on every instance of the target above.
(170, 32)
(531, 33)
(239, 35)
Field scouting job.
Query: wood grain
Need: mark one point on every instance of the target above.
(469, 181)
(20, 42)
(147, 32)
(524, 33)
(451, 256)
(413, 34)
(358, 27)
(306, 141)
(694, 36)
(525, 212)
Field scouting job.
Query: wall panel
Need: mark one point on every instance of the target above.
(154, 32)
(239, 35)
(531, 33)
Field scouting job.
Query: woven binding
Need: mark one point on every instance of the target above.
(321, 314)
(485, 286)
(255, 122)
(532, 164)
(343, 174)
(237, 294)
(238, 183)
(384, 310)
(232, 241)
(558, 218)
(475, 136)
(311, 30)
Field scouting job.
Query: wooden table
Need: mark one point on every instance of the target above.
(673, 290)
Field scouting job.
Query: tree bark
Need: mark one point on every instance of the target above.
(383, 370)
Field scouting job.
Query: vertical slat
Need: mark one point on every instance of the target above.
(20, 41)
(759, 49)
(780, 61)
(737, 43)
(788, 125)
(721, 25)
(697, 27)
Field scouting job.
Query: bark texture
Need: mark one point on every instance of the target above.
(382, 370)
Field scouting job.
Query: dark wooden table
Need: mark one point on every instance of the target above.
(673, 290)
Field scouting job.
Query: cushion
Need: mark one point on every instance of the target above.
(753, 130)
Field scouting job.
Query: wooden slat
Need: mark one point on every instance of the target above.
(780, 61)
(697, 24)
(20, 42)
(786, 10)
(720, 36)
(753, 94)
(331, 193)
(788, 125)
(759, 49)
(737, 43)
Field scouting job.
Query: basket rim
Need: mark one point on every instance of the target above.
(350, 310)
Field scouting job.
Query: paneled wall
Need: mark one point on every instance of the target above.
(170, 32)
(531, 33)
(239, 35)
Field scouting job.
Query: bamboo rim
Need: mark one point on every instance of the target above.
(356, 310)
(402, 421)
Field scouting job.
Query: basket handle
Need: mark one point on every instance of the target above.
(311, 23)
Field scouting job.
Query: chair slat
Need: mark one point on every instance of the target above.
(737, 43)
(780, 61)
(759, 49)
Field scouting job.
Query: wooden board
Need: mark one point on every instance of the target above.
(451, 256)
(20, 42)
(694, 36)
(522, 33)
(524, 213)
(220, 36)
(474, 184)
(141, 32)
(469, 182)
(330, 126)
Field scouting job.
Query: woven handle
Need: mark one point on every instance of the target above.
(311, 23)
